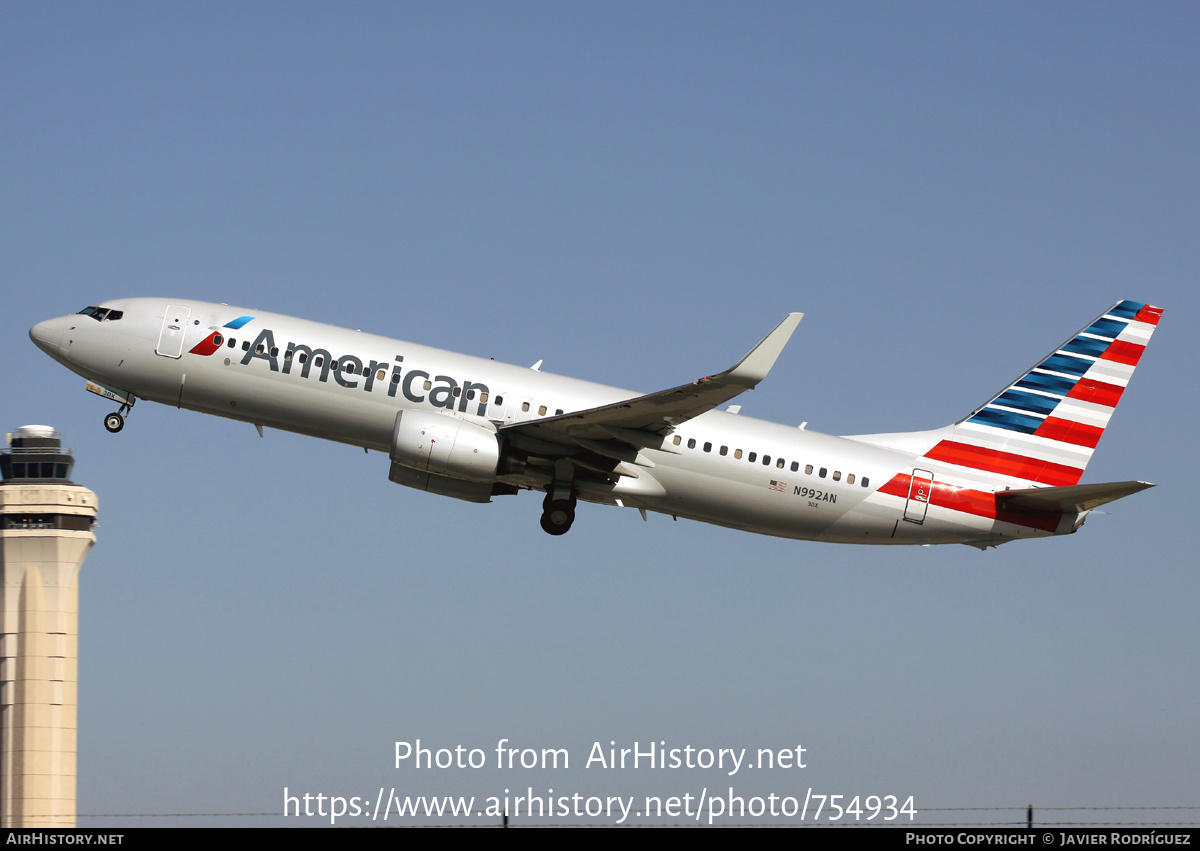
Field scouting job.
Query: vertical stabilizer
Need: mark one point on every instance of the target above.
(1043, 427)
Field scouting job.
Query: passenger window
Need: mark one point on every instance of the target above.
(245, 345)
(274, 351)
(499, 400)
(525, 407)
(232, 342)
(795, 466)
(428, 385)
(558, 412)
(737, 453)
(808, 469)
(780, 463)
(218, 339)
(837, 475)
(259, 349)
(333, 365)
(483, 397)
(766, 460)
(707, 447)
(289, 354)
(379, 375)
(317, 360)
(724, 450)
(541, 410)
(849, 478)
(470, 394)
(304, 358)
(691, 443)
(457, 391)
(753, 456)
(395, 375)
(866, 482)
(822, 472)
(675, 440)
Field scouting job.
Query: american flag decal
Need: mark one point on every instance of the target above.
(778, 486)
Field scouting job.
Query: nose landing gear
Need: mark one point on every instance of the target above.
(115, 421)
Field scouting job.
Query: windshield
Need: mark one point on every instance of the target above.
(102, 313)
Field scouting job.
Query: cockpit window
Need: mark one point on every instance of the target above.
(102, 313)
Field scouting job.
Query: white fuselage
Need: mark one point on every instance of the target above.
(347, 386)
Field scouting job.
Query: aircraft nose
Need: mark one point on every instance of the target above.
(47, 335)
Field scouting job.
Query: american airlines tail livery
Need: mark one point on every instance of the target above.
(472, 428)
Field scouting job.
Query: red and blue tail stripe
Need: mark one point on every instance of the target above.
(1042, 428)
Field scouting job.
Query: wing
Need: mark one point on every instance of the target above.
(618, 430)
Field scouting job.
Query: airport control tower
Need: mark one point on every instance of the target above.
(45, 534)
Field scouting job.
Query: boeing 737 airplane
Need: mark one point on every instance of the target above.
(472, 428)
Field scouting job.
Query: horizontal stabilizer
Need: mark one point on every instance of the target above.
(1075, 498)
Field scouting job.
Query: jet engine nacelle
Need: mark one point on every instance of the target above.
(446, 446)
(444, 485)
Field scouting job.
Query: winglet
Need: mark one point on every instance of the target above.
(754, 367)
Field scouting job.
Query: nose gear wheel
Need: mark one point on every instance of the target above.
(115, 421)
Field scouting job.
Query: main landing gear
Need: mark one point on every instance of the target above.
(115, 421)
(558, 508)
(557, 514)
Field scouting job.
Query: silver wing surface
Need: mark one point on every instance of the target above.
(617, 431)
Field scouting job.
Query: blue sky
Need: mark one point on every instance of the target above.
(634, 193)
